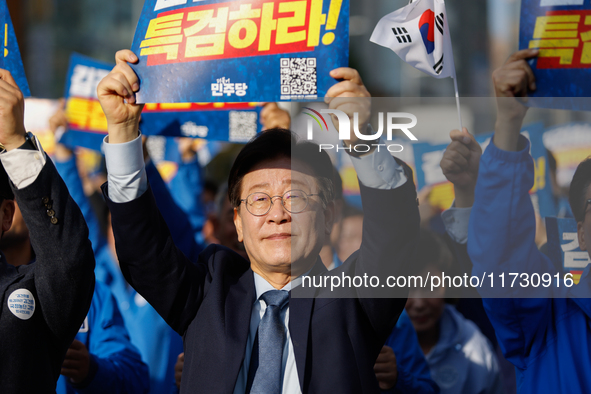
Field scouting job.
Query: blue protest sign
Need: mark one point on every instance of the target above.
(234, 122)
(561, 29)
(87, 125)
(11, 55)
(239, 51)
(563, 247)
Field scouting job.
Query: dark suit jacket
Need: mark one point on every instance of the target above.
(336, 340)
(61, 282)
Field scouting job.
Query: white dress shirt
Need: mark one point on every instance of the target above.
(24, 165)
(456, 222)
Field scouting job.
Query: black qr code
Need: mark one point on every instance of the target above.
(298, 77)
(243, 125)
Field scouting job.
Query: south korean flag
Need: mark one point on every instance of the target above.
(419, 34)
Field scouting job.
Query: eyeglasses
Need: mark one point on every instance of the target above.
(294, 201)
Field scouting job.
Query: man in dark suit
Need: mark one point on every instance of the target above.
(42, 305)
(243, 331)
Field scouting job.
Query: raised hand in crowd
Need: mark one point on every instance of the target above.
(386, 368)
(76, 364)
(116, 93)
(178, 369)
(512, 82)
(57, 124)
(59, 119)
(12, 110)
(426, 210)
(460, 166)
(272, 116)
(351, 97)
(187, 149)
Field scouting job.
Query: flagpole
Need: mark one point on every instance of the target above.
(458, 101)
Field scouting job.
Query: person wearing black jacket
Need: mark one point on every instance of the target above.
(42, 305)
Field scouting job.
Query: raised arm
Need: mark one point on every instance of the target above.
(391, 218)
(149, 260)
(64, 269)
(502, 223)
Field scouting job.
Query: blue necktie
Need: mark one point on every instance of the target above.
(267, 353)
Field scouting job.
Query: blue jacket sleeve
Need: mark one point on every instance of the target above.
(413, 370)
(187, 188)
(69, 173)
(181, 230)
(501, 241)
(116, 365)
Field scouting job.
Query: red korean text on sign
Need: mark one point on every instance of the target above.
(232, 30)
(564, 39)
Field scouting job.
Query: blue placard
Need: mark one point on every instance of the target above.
(239, 51)
(87, 125)
(563, 246)
(561, 29)
(11, 55)
(234, 122)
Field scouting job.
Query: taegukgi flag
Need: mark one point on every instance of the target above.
(419, 34)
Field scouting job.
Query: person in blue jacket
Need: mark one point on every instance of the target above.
(547, 337)
(413, 371)
(102, 359)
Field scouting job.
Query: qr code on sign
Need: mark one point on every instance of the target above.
(298, 78)
(243, 125)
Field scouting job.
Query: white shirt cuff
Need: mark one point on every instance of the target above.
(379, 170)
(24, 165)
(456, 223)
(126, 172)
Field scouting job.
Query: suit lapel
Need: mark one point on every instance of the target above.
(300, 312)
(237, 313)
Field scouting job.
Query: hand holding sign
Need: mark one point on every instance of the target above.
(116, 93)
(513, 80)
(351, 97)
(12, 112)
(460, 166)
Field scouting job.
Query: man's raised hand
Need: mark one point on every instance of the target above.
(512, 82)
(349, 96)
(273, 116)
(460, 165)
(12, 112)
(116, 93)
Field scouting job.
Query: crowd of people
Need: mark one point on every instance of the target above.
(139, 286)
